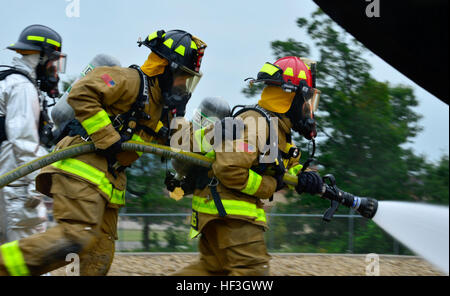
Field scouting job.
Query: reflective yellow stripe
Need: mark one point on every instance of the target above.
(88, 172)
(232, 207)
(295, 169)
(13, 259)
(117, 197)
(180, 49)
(53, 42)
(289, 72)
(253, 183)
(302, 74)
(96, 122)
(211, 154)
(35, 38)
(159, 126)
(137, 138)
(269, 69)
(152, 35)
(193, 45)
(203, 145)
(168, 42)
(193, 233)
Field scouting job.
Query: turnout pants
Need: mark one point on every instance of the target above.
(86, 226)
(230, 247)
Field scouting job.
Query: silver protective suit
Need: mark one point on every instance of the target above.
(22, 211)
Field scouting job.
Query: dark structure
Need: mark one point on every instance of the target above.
(410, 35)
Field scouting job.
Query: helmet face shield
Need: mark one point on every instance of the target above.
(180, 92)
(58, 63)
(311, 103)
(184, 83)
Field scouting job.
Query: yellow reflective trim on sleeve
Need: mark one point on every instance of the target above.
(232, 207)
(159, 125)
(193, 45)
(289, 72)
(193, 233)
(53, 42)
(137, 138)
(117, 197)
(96, 122)
(204, 146)
(302, 74)
(168, 42)
(211, 154)
(152, 35)
(295, 169)
(35, 38)
(269, 69)
(88, 172)
(180, 50)
(253, 183)
(13, 259)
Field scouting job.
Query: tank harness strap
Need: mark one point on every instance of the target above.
(216, 197)
(260, 169)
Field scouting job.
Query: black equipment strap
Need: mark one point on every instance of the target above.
(13, 70)
(217, 200)
(2, 129)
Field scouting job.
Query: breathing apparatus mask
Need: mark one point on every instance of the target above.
(301, 112)
(47, 72)
(177, 89)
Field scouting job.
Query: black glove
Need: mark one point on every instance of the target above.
(309, 182)
(112, 150)
(280, 182)
(170, 181)
(110, 153)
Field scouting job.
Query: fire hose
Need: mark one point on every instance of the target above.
(365, 206)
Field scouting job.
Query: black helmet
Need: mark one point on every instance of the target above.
(48, 43)
(177, 47)
(39, 38)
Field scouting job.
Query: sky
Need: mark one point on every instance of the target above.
(238, 34)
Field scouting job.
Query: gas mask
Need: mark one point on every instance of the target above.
(177, 90)
(301, 112)
(47, 72)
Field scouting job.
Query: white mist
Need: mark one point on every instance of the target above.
(420, 227)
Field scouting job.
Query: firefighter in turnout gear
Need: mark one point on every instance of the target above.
(112, 105)
(22, 87)
(227, 207)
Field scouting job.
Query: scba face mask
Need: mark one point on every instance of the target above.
(301, 112)
(47, 73)
(178, 95)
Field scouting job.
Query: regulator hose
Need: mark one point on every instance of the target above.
(88, 147)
